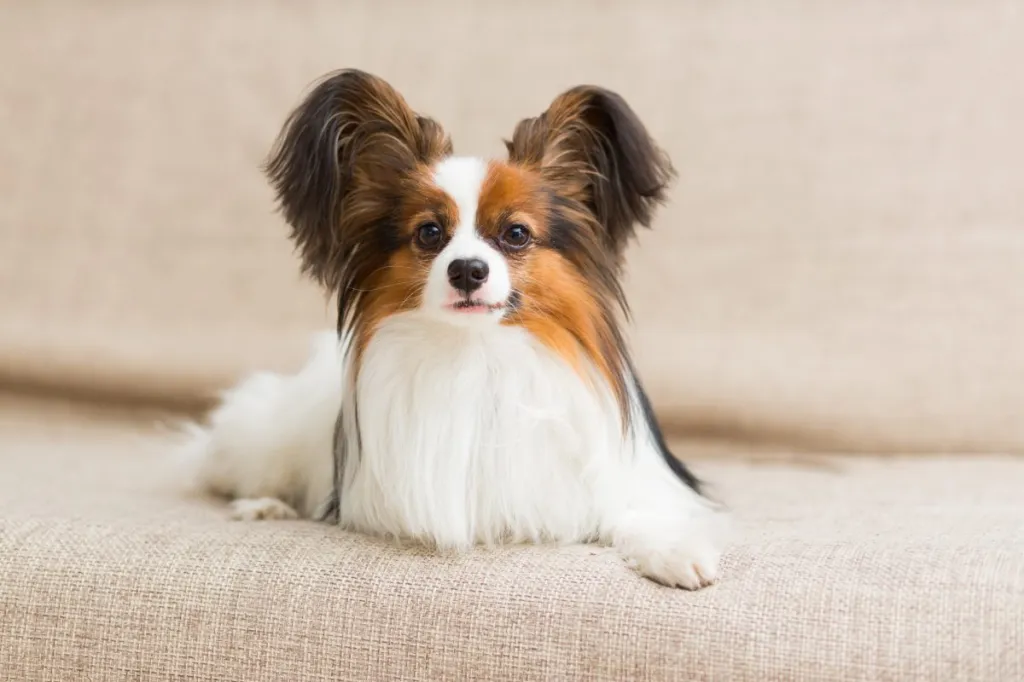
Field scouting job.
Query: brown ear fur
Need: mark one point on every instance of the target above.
(593, 148)
(341, 155)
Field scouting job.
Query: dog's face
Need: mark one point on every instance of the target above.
(465, 237)
(488, 253)
(478, 242)
(385, 216)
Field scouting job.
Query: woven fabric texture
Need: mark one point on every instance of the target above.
(861, 569)
(839, 267)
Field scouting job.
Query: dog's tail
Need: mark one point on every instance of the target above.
(271, 436)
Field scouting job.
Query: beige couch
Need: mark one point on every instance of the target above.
(830, 316)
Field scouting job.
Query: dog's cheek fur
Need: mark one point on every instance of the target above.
(559, 307)
(394, 287)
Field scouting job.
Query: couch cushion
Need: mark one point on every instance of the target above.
(840, 266)
(859, 569)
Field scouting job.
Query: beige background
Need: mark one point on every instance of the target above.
(842, 265)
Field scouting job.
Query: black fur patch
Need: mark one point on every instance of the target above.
(674, 463)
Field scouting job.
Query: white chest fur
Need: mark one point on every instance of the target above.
(475, 435)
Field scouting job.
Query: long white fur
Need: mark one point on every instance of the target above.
(272, 436)
(467, 434)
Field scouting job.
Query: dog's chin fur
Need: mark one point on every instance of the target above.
(516, 419)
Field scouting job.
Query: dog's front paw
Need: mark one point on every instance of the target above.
(261, 509)
(690, 565)
(682, 555)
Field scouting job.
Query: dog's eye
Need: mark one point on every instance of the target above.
(515, 237)
(428, 235)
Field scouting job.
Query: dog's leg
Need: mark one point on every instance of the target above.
(663, 527)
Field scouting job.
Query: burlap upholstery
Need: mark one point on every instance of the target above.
(856, 570)
(840, 269)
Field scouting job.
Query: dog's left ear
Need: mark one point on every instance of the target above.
(593, 148)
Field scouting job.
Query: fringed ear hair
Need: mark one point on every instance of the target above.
(593, 148)
(338, 163)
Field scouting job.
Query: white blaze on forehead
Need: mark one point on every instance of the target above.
(461, 178)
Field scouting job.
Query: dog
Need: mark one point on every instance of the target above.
(478, 390)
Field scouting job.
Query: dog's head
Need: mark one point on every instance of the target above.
(388, 219)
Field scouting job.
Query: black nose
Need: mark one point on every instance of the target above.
(467, 274)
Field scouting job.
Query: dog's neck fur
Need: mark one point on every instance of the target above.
(468, 434)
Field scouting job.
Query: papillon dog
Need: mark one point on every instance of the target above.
(478, 390)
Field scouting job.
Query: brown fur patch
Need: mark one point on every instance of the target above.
(559, 309)
(511, 194)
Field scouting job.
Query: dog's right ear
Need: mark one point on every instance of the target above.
(338, 164)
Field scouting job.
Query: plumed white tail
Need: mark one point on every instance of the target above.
(272, 435)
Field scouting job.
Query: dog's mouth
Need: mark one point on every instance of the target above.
(475, 305)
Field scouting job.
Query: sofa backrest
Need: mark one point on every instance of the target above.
(841, 266)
